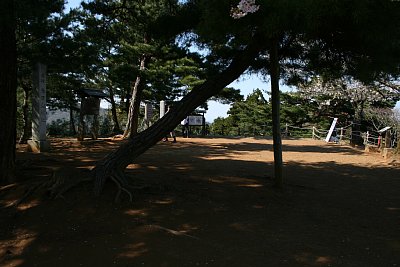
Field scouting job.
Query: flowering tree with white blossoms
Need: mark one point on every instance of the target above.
(243, 8)
(382, 117)
(346, 89)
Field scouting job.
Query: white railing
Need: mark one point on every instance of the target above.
(372, 139)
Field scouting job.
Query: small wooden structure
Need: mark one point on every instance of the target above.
(90, 106)
(385, 134)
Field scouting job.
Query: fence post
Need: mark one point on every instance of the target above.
(351, 135)
(341, 134)
(367, 136)
(313, 132)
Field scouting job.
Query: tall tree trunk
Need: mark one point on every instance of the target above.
(8, 89)
(116, 128)
(72, 120)
(356, 138)
(134, 107)
(95, 127)
(82, 126)
(113, 165)
(276, 126)
(27, 131)
(126, 102)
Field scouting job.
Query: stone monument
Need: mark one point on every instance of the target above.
(39, 143)
(148, 114)
(162, 108)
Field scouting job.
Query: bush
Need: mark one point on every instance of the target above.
(59, 128)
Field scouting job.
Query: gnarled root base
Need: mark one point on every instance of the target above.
(118, 177)
(64, 179)
(61, 181)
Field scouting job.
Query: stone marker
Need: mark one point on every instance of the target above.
(39, 143)
(162, 108)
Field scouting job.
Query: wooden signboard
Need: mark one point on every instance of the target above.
(195, 120)
(90, 106)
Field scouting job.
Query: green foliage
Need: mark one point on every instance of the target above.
(59, 128)
(19, 115)
(224, 127)
(247, 117)
(331, 38)
(228, 95)
(123, 32)
(252, 117)
(106, 126)
(296, 110)
(38, 24)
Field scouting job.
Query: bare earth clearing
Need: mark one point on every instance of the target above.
(209, 202)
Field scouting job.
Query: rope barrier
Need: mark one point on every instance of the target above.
(300, 128)
(318, 137)
(345, 127)
(322, 131)
(343, 134)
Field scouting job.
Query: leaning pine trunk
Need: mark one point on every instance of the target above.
(113, 165)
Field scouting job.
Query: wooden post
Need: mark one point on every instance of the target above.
(387, 139)
(81, 127)
(286, 130)
(95, 127)
(313, 132)
(341, 135)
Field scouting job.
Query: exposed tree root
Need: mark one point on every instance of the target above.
(100, 178)
(173, 232)
(119, 178)
(61, 181)
(59, 186)
(8, 187)
(120, 189)
(116, 175)
(28, 192)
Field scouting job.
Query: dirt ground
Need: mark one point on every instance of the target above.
(209, 202)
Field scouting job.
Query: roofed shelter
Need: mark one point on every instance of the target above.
(90, 106)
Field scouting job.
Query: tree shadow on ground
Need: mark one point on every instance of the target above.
(318, 147)
(211, 204)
